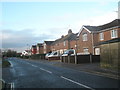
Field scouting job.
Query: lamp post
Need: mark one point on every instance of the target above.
(76, 47)
(28, 49)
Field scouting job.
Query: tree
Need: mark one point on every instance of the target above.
(9, 53)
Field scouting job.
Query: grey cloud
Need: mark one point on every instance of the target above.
(17, 39)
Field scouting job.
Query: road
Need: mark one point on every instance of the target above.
(31, 74)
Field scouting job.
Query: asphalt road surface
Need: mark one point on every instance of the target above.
(31, 74)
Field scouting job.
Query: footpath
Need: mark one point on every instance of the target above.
(93, 68)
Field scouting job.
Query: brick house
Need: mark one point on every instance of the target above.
(91, 36)
(47, 46)
(39, 48)
(33, 49)
(88, 39)
(109, 42)
(65, 42)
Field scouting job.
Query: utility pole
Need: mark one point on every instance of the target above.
(119, 10)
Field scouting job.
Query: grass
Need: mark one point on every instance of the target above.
(5, 63)
(2, 84)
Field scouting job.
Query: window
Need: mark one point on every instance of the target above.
(101, 36)
(113, 33)
(97, 51)
(64, 43)
(84, 36)
(85, 50)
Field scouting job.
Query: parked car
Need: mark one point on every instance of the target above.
(46, 56)
(69, 52)
(55, 53)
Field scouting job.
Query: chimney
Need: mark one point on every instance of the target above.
(62, 36)
(69, 31)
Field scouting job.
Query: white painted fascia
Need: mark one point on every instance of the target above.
(82, 29)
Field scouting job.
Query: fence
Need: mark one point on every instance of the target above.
(54, 58)
(38, 56)
(81, 59)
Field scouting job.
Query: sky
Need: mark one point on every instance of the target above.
(27, 23)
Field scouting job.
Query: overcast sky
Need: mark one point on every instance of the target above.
(34, 22)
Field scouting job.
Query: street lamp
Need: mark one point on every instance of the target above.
(28, 49)
(76, 50)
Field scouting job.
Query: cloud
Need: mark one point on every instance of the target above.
(18, 39)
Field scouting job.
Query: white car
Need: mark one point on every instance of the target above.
(69, 52)
(46, 56)
(53, 54)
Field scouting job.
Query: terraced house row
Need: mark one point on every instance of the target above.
(87, 40)
(103, 41)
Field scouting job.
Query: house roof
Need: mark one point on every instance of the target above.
(68, 37)
(33, 45)
(48, 42)
(39, 44)
(114, 23)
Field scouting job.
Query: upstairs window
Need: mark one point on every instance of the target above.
(101, 36)
(113, 33)
(84, 36)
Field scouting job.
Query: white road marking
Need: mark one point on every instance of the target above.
(77, 83)
(40, 68)
(12, 86)
(45, 70)
(34, 65)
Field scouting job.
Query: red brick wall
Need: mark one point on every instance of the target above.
(34, 50)
(59, 46)
(41, 50)
(47, 49)
(107, 35)
(73, 43)
(95, 38)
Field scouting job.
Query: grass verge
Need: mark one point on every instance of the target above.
(5, 63)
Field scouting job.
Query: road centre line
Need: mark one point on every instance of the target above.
(41, 68)
(34, 65)
(77, 83)
(45, 70)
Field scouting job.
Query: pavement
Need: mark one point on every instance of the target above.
(94, 68)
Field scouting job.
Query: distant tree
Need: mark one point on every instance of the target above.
(9, 53)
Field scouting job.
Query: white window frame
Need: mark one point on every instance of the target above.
(85, 50)
(44, 46)
(114, 34)
(84, 37)
(97, 51)
(101, 36)
(64, 43)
